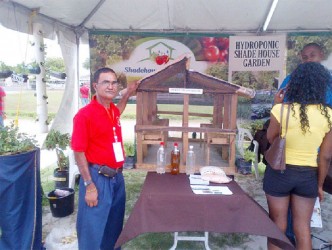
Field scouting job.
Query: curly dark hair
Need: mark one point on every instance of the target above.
(308, 85)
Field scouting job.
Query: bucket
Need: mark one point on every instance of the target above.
(61, 179)
(62, 206)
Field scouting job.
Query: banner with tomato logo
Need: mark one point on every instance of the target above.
(138, 55)
(251, 60)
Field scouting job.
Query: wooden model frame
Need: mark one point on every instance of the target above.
(152, 130)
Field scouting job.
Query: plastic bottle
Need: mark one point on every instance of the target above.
(175, 160)
(190, 161)
(161, 159)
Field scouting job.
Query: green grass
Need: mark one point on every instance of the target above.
(46, 177)
(161, 241)
(134, 183)
(130, 111)
(25, 103)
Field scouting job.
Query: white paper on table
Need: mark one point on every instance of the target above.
(197, 180)
(203, 189)
(316, 218)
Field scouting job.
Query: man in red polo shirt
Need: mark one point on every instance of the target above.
(98, 149)
(2, 106)
(84, 92)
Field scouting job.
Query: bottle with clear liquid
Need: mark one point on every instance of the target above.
(175, 160)
(161, 159)
(190, 161)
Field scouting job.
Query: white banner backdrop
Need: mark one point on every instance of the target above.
(256, 53)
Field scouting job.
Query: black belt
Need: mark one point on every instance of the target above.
(107, 171)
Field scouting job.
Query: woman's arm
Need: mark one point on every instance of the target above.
(325, 155)
(273, 129)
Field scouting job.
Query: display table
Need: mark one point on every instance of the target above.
(167, 204)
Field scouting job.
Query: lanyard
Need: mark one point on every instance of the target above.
(112, 118)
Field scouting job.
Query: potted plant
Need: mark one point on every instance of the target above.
(20, 190)
(62, 198)
(12, 142)
(244, 162)
(59, 142)
(130, 150)
(34, 68)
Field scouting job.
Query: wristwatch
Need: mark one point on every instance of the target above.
(87, 183)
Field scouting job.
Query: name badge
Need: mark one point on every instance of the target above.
(118, 151)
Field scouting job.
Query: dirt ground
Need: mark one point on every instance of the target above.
(60, 232)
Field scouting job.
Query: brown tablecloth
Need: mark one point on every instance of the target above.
(167, 204)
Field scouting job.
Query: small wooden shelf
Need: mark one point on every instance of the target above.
(221, 131)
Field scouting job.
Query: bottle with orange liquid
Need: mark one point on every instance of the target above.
(175, 160)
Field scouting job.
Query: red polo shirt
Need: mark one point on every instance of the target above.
(2, 95)
(93, 133)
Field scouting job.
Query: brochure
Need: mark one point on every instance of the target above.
(203, 189)
(197, 180)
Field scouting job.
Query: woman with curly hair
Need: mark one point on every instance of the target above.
(308, 151)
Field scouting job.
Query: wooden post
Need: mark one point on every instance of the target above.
(233, 126)
(139, 110)
(185, 123)
(218, 109)
(225, 103)
(139, 121)
(153, 105)
(139, 148)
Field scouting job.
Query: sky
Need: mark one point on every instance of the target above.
(15, 49)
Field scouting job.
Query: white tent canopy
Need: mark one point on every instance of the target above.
(70, 21)
(213, 16)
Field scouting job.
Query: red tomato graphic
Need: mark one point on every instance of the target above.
(208, 41)
(223, 57)
(165, 58)
(212, 53)
(159, 60)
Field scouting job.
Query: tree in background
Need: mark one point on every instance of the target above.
(55, 64)
(109, 49)
(86, 64)
(4, 67)
(218, 70)
(20, 68)
(265, 79)
(255, 80)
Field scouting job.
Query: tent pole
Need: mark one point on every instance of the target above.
(42, 111)
(78, 70)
